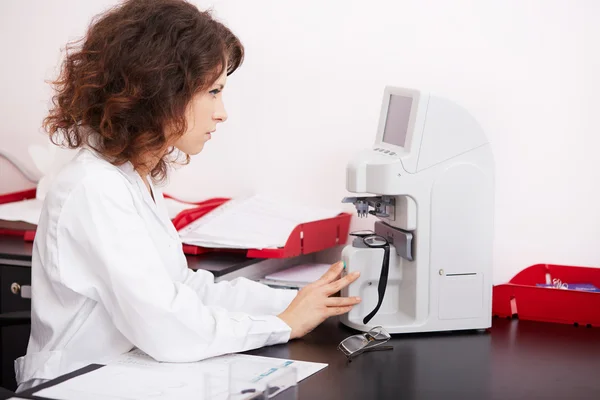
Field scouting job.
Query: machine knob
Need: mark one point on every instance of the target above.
(15, 288)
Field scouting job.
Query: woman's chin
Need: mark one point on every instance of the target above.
(197, 150)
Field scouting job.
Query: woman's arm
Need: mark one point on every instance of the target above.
(105, 252)
(240, 294)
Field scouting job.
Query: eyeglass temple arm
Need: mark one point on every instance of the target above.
(382, 282)
(379, 348)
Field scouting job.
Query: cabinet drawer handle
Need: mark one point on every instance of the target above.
(25, 290)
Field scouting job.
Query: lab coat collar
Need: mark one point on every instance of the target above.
(155, 201)
(157, 204)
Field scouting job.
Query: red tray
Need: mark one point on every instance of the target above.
(306, 238)
(523, 298)
(28, 235)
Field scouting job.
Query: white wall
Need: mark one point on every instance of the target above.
(308, 96)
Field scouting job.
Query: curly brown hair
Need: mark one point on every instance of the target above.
(130, 79)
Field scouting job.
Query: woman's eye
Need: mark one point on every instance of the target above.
(214, 92)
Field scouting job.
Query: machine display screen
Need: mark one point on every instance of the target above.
(396, 122)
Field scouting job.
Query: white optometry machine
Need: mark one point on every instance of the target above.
(429, 179)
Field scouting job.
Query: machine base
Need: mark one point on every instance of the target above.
(478, 325)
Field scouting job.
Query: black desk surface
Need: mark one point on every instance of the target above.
(514, 360)
(5, 394)
(15, 248)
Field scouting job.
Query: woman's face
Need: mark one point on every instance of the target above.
(204, 112)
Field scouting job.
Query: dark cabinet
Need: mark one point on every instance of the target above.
(15, 280)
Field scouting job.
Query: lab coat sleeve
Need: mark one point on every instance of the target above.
(240, 294)
(106, 253)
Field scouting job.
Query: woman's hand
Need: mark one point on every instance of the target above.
(313, 303)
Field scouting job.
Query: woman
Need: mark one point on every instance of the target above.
(108, 270)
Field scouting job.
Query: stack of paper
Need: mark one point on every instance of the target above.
(254, 222)
(296, 277)
(24, 211)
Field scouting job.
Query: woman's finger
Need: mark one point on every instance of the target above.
(338, 285)
(339, 310)
(332, 273)
(341, 301)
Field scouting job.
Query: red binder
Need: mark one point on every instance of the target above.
(306, 238)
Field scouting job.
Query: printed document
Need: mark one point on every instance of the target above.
(135, 375)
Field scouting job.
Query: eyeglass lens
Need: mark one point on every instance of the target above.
(375, 241)
(378, 333)
(354, 343)
(362, 233)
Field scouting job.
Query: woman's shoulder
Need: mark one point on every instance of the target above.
(89, 173)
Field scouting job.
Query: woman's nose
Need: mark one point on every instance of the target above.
(220, 114)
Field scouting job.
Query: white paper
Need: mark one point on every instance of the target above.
(135, 375)
(254, 222)
(305, 273)
(127, 382)
(25, 210)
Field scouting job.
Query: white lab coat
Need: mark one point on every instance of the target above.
(109, 274)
